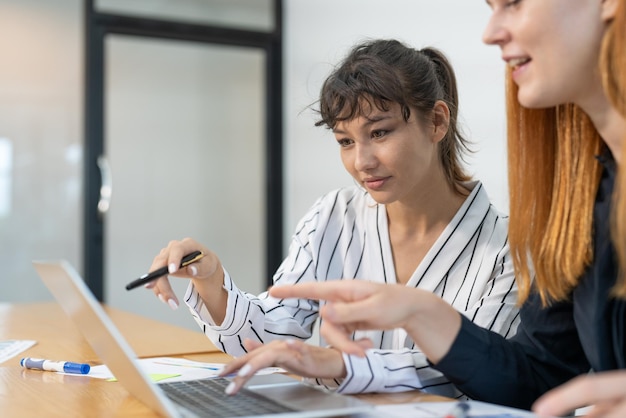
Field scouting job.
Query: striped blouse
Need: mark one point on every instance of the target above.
(345, 236)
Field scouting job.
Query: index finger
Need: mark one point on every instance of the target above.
(169, 257)
(582, 391)
(330, 291)
(172, 255)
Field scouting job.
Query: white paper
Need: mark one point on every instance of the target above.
(183, 368)
(11, 348)
(442, 409)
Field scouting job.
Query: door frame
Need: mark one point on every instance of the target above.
(97, 26)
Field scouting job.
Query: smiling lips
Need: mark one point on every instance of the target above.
(517, 64)
(375, 183)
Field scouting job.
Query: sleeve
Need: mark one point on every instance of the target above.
(544, 353)
(392, 371)
(264, 318)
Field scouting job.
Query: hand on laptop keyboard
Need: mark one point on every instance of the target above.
(292, 355)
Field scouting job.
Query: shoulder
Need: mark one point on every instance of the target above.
(479, 199)
(479, 212)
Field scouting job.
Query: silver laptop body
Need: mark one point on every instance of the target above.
(75, 298)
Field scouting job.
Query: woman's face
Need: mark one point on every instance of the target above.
(388, 156)
(552, 47)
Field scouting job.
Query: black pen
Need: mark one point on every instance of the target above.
(153, 275)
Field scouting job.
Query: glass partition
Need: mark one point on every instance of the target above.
(40, 141)
(184, 140)
(241, 14)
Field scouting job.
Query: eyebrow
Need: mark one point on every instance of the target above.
(370, 120)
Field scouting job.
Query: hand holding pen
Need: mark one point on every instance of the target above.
(155, 274)
(181, 259)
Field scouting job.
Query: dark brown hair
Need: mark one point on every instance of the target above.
(380, 72)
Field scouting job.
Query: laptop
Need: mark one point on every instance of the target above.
(274, 395)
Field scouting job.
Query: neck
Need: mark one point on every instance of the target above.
(425, 210)
(611, 125)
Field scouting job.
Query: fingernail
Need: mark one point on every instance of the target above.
(162, 298)
(243, 372)
(172, 304)
(149, 285)
(290, 341)
(171, 268)
(230, 388)
(193, 270)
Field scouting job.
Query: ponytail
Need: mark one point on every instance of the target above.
(454, 145)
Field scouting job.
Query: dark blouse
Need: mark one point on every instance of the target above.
(552, 344)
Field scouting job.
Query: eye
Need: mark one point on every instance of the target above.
(379, 133)
(493, 4)
(512, 3)
(344, 142)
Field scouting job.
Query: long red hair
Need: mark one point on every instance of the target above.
(553, 181)
(613, 70)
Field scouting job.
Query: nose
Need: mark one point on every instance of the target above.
(365, 158)
(495, 32)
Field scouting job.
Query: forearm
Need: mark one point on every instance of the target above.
(487, 367)
(433, 327)
(261, 318)
(544, 353)
(242, 319)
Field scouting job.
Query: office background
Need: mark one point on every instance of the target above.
(184, 129)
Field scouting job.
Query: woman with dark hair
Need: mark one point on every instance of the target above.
(414, 218)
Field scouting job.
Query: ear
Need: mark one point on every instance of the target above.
(441, 120)
(608, 9)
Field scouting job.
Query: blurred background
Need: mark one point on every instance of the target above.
(126, 124)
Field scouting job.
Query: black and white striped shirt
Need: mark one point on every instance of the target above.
(345, 236)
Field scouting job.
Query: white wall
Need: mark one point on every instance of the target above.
(318, 34)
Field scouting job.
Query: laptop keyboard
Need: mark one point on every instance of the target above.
(206, 397)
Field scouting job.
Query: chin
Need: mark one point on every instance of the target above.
(380, 197)
(536, 101)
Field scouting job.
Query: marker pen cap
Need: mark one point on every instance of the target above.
(79, 368)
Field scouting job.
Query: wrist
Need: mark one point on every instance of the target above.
(433, 326)
(209, 268)
(340, 364)
(328, 363)
(422, 308)
(214, 267)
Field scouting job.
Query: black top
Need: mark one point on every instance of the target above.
(552, 344)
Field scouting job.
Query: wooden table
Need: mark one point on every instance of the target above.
(33, 393)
